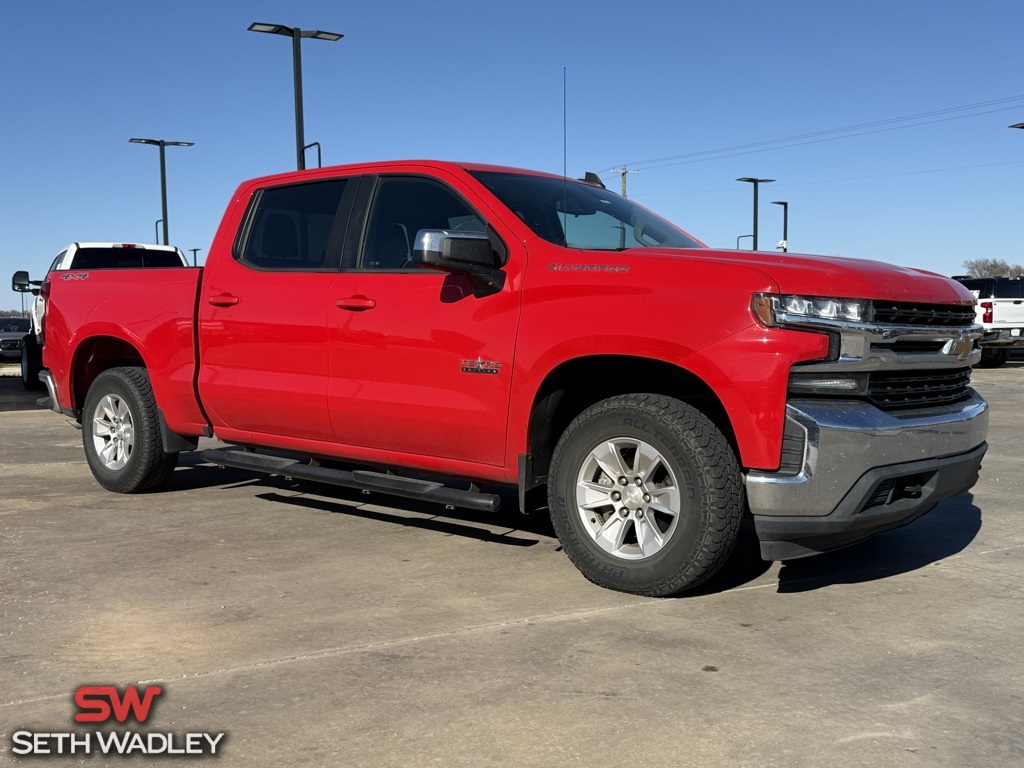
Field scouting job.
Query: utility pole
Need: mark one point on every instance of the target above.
(624, 170)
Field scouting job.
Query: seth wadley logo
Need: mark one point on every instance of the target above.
(102, 703)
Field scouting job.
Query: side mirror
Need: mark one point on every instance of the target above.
(20, 282)
(468, 253)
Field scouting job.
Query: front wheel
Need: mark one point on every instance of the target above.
(121, 432)
(645, 495)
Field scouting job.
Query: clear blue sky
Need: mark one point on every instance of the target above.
(482, 81)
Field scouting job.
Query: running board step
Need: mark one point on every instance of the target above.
(394, 485)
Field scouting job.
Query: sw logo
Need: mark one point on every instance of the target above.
(97, 703)
(110, 705)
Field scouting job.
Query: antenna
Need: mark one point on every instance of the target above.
(565, 151)
(565, 161)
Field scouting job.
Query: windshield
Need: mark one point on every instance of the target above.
(577, 215)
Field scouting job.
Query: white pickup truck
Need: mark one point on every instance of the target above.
(1000, 311)
(81, 257)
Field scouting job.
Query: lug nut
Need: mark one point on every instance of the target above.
(647, 498)
(639, 514)
(623, 481)
(638, 481)
(624, 512)
(616, 495)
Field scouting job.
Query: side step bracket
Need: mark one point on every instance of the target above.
(394, 485)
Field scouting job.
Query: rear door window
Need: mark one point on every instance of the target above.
(298, 227)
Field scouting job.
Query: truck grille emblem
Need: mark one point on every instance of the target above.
(961, 347)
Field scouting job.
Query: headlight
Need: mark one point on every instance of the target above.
(773, 310)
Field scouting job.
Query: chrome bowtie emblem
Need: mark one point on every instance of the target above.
(961, 347)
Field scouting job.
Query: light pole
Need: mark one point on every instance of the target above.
(194, 252)
(755, 182)
(785, 224)
(741, 237)
(296, 35)
(319, 159)
(163, 171)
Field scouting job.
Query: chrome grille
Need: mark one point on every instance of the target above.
(940, 315)
(918, 389)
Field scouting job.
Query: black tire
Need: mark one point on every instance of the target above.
(993, 357)
(31, 362)
(695, 458)
(143, 464)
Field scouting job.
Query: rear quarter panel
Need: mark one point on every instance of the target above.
(152, 310)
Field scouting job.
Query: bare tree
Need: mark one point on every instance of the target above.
(992, 268)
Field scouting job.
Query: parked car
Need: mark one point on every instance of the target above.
(76, 257)
(1000, 311)
(12, 332)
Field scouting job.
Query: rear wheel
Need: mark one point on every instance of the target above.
(993, 357)
(31, 363)
(645, 495)
(121, 433)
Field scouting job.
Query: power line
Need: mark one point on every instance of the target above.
(841, 180)
(797, 140)
(819, 141)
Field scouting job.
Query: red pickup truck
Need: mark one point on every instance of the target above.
(504, 326)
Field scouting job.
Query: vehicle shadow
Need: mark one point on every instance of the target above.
(14, 396)
(743, 566)
(943, 532)
(940, 534)
(507, 526)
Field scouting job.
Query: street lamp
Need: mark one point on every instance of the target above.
(163, 170)
(194, 252)
(755, 182)
(741, 237)
(296, 35)
(785, 224)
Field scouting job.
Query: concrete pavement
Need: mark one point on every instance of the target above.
(320, 626)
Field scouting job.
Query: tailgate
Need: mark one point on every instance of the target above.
(1007, 312)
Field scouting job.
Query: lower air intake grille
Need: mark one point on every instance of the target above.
(919, 389)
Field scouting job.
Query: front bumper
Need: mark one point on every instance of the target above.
(864, 471)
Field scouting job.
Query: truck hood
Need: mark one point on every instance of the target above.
(808, 275)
